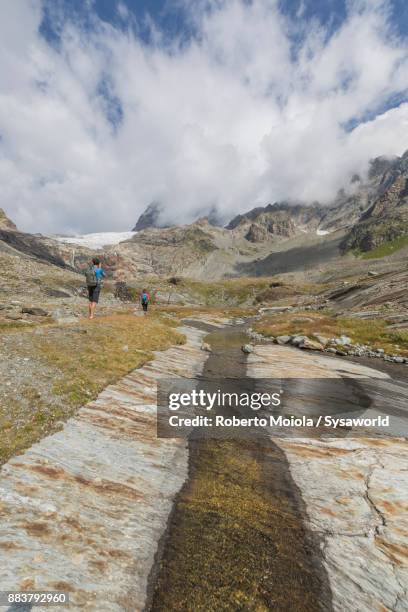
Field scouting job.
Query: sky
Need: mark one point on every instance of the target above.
(108, 105)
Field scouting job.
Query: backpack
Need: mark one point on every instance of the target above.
(90, 277)
(145, 298)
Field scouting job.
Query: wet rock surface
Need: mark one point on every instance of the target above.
(359, 507)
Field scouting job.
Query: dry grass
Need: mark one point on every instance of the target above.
(247, 290)
(237, 507)
(103, 350)
(77, 362)
(371, 332)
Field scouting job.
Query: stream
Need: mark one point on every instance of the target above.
(237, 537)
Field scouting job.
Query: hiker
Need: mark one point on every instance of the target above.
(145, 300)
(94, 274)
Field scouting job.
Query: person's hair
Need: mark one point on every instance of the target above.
(143, 290)
(96, 261)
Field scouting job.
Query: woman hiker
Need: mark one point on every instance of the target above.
(145, 300)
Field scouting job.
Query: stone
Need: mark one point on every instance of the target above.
(247, 348)
(206, 347)
(372, 273)
(31, 310)
(399, 360)
(14, 317)
(321, 339)
(283, 339)
(311, 345)
(331, 349)
(296, 340)
(344, 340)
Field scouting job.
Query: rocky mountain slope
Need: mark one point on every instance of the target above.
(387, 217)
(150, 217)
(277, 221)
(5, 222)
(37, 247)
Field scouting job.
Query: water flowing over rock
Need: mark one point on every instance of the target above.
(359, 507)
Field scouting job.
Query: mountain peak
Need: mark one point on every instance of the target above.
(5, 222)
(150, 217)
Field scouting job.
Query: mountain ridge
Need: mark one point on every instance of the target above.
(260, 240)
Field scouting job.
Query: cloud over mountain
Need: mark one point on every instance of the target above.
(252, 107)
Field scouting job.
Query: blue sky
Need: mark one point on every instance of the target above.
(172, 18)
(108, 105)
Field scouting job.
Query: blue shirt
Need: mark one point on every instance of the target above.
(99, 273)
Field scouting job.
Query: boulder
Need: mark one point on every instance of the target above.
(311, 345)
(206, 347)
(283, 339)
(342, 340)
(296, 340)
(37, 312)
(247, 348)
(321, 339)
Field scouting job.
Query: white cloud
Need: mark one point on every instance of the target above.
(234, 118)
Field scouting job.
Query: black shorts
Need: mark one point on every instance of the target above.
(93, 293)
(144, 306)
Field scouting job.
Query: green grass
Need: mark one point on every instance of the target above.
(387, 248)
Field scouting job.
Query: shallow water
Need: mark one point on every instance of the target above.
(236, 539)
